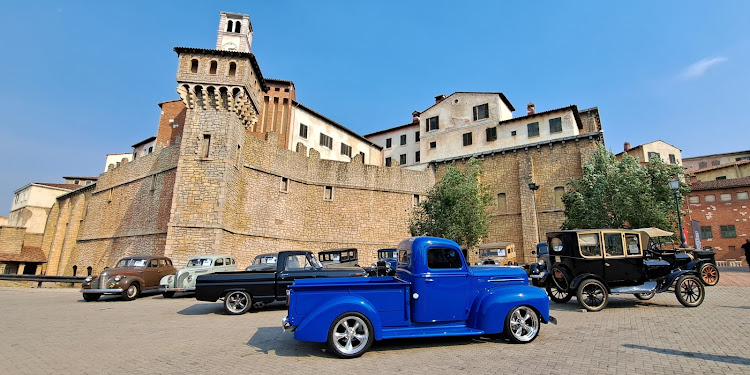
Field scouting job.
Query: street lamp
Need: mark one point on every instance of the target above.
(534, 187)
(675, 186)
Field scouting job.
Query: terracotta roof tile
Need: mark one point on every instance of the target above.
(61, 186)
(28, 254)
(721, 184)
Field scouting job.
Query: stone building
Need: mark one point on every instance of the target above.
(713, 160)
(232, 171)
(730, 170)
(656, 149)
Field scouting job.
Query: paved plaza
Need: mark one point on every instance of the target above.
(52, 330)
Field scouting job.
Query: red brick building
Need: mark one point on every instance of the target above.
(722, 207)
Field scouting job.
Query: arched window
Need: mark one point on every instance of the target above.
(88, 270)
(237, 27)
(232, 69)
(214, 65)
(229, 26)
(194, 66)
(75, 270)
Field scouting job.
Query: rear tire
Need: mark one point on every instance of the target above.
(558, 286)
(350, 335)
(689, 291)
(592, 295)
(91, 297)
(237, 302)
(521, 325)
(709, 274)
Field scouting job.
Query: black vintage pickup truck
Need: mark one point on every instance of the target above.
(243, 290)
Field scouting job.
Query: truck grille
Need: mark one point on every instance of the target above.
(102, 281)
(181, 280)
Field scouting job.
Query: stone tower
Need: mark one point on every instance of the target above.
(235, 32)
(222, 91)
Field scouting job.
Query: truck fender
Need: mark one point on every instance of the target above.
(491, 306)
(165, 280)
(578, 279)
(314, 327)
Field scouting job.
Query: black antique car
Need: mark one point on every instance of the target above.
(339, 257)
(701, 261)
(594, 263)
(385, 265)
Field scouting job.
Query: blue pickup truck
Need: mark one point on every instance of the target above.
(434, 293)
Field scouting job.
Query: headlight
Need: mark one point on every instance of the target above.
(374, 265)
(89, 278)
(540, 262)
(118, 277)
(190, 278)
(170, 279)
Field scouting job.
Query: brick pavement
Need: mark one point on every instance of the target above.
(54, 331)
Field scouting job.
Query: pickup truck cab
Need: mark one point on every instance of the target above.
(434, 293)
(243, 290)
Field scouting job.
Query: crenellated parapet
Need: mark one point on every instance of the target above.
(219, 98)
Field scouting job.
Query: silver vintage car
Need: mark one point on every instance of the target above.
(184, 280)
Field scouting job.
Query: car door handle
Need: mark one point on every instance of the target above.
(429, 280)
(282, 275)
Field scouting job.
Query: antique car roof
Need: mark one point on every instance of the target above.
(494, 245)
(212, 256)
(655, 232)
(337, 250)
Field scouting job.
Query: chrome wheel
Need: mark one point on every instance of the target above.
(237, 302)
(522, 324)
(350, 335)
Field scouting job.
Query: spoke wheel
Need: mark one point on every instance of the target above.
(592, 295)
(558, 287)
(237, 302)
(131, 292)
(690, 291)
(350, 335)
(522, 325)
(709, 274)
(644, 296)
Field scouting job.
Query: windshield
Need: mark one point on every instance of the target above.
(199, 262)
(386, 254)
(264, 259)
(315, 262)
(131, 262)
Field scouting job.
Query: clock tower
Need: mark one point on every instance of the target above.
(235, 32)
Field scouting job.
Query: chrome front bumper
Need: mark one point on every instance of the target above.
(164, 288)
(286, 325)
(102, 291)
(540, 275)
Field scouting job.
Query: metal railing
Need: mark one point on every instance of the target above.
(39, 279)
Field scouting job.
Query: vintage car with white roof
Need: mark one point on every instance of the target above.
(184, 280)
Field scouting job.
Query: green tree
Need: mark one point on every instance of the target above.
(623, 194)
(455, 208)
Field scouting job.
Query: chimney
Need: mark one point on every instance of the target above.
(415, 117)
(626, 147)
(440, 98)
(693, 179)
(530, 109)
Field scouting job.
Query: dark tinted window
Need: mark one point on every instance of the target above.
(443, 258)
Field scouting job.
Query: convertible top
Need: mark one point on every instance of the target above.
(655, 232)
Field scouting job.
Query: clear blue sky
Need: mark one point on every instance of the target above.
(83, 79)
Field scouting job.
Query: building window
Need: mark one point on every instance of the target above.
(214, 66)
(150, 150)
(388, 142)
(709, 198)
(559, 192)
(513, 133)
(153, 182)
(715, 163)
(725, 197)
(194, 66)
(481, 112)
(229, 26)
(555, 125)
(728, 231)
(433, 124)
(237, 27)
(109, 194)
(702, 164)
(706, 232)
(415, 200)
(346, 149)
(731, 249)
(402, 159)
(694, 199)
(403, 139)
(205, 145)
(232, 69)
(672, 159)
(433, 144)
(416, 157)
(653, 155)
(491, 134)
(742, 196)
(76, 182)
(326, 141)
(721, 178)
(303, 131)
(467, 139)
(328, 193)
(502, 204)
(533, 129)
(416, 136)
(388, 162)
(284, 186)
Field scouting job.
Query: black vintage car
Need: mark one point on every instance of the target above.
(701, 261)
(594, 263)
(267, 283)
(339, 257)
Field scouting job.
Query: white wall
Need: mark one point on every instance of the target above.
(396, 149)
(116, 158)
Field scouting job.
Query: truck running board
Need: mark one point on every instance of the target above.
(409, 332)
(648, 287)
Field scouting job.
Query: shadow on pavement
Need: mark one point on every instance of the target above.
(705, 356)
(202, 309)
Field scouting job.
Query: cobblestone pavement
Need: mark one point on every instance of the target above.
(55, 331)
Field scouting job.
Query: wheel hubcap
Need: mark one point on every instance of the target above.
(350, 334)
(131, 291)
(237, 302)
(524, 323)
